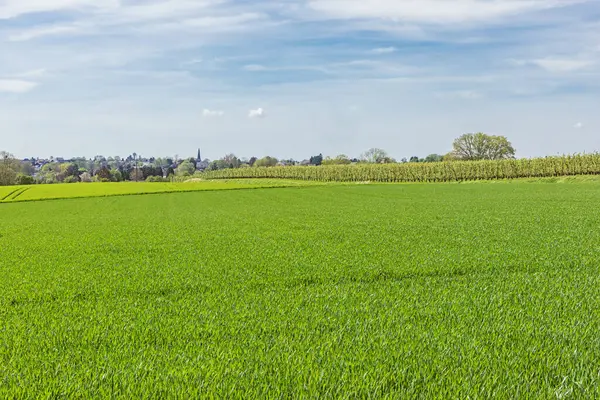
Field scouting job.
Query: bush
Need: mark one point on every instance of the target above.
(156, 179)
(23, 179)
(115, 175)
(85, 177)
(71, 179)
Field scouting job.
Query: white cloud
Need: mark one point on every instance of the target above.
(578, 125)
(35, 33)
(34, 73)
(384, 50)
(100, 16)
(16, 85)
(255, 68)
(258, 113)
(556, 65)
(14, 8)
(433, 11)
(562, 65)
(460, 94)
(212, 113)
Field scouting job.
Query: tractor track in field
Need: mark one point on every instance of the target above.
(15, 194)
(10, 194)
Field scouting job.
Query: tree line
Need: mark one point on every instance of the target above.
(468, 147)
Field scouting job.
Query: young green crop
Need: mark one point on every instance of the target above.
(79, 190)
(362, 291)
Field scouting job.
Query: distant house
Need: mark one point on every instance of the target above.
(202, 165)
(305, 162)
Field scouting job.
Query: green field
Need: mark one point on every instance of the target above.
(356, 291)
(79, 190)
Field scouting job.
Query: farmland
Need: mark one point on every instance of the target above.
(80, 190)
(342, 291)
(454, 171)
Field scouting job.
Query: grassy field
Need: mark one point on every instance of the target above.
(79, 190)
(356, 291)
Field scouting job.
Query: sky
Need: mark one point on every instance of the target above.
(295, 78)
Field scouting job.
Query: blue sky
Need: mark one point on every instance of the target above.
(296, 78)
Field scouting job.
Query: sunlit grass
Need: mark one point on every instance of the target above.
(356, 291)
(65, 191)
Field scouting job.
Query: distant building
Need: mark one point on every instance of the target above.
(201, 165)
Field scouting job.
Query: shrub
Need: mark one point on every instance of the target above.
(156, 179)
(85, 177)
(23, 179)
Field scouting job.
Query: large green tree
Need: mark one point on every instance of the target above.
(479, 146)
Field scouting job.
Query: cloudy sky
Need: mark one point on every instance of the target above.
(293, 78)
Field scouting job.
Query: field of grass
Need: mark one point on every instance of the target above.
(79, 190)
(355, 291)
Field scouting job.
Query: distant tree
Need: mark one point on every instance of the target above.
(23, 179)
(81, 163)
(8, 169)
(316, 160)
(116, 175)
(217, 165)
(150, 170)
(50, 167)
(479, 146)
(341, 159)
(113, 163)
(414, 159)
(103, 174)
(160, 162)
(66, 170)
(85, 177)
(71, 179)
(48, 178)
(434, 158)
(266, 162)
(186, 168)
(374, 155)
(231, 161)
(27, 168)
(252, 161)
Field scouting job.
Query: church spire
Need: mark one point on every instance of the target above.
(199, 158)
